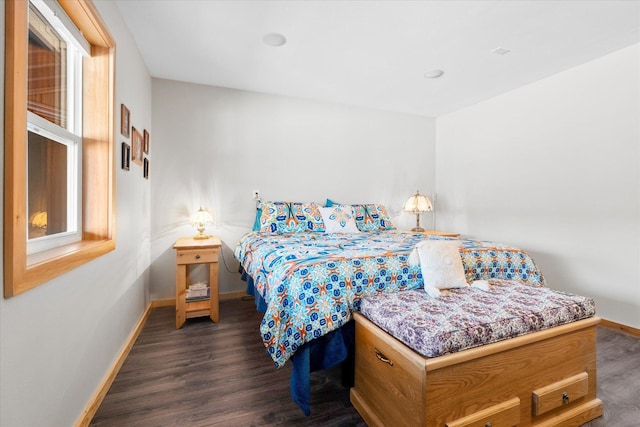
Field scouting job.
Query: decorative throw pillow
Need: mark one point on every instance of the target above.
(441, 265)
(290, 217)
(274, 217)
(339, 219)
(372, 218)
(312, 217)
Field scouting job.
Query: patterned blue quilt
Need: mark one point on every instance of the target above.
(312, 282)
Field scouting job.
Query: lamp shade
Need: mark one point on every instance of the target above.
(199, 219)
(418, 203)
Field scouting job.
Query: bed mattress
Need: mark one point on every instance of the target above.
(470, 317)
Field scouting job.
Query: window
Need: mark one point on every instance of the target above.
(54, 126)
(59, 116)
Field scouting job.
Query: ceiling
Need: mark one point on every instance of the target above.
(375, 53)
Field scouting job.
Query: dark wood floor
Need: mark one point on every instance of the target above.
(208, 374)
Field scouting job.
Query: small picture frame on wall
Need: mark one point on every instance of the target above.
(136, 146)
(126, 155)
(125, 121)
(146, 142)
(145, 168)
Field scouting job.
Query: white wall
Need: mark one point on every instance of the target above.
(554, 167)
(58, 340)
(213, 146)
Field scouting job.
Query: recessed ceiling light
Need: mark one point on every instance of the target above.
(433, 74)
(274, 39)
(501, 51)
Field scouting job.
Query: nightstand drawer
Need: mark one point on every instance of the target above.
(195, 256)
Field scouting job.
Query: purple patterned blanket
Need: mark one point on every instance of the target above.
(468, 317)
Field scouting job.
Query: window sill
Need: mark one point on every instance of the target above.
(62, 252)
(46, 265)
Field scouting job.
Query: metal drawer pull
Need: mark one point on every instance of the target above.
(381, 357)
(565, 398)
(487, 424)
(198, 256)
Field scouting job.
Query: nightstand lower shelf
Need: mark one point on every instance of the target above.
(197, 308)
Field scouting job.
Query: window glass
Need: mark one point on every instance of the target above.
(47, 186)
(47, 74)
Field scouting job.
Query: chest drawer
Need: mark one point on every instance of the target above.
(560, 393)
(195, 256)
(505, 414)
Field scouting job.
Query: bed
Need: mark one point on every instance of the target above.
(309, 282)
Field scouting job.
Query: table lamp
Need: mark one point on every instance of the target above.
(417, 204)
(199, 219)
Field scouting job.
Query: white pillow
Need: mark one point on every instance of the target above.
(339, 219)
(441, 265)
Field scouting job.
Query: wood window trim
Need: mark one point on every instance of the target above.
(98, 172)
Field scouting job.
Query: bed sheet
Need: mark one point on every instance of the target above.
(312, 282)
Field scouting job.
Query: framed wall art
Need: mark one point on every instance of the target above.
(145, 168)
(126, 156)
(125, 121)
(136, 146)
(146, 142)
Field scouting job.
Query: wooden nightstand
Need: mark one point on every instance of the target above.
(191, 251)
(437, 233)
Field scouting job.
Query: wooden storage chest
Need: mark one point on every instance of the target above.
(546, 378)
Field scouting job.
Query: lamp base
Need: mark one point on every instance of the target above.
(201, 237)
(418, 229)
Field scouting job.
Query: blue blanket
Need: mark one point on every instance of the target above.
(324, 352)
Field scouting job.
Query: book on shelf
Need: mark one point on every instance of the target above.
(196, 299)
(198, 286)
(197, 294)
